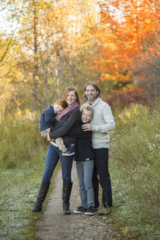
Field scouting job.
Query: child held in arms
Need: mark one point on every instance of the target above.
(47, 120)
(84, 158)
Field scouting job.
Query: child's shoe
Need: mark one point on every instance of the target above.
(80, 210)
(68, 153)
(90, 211)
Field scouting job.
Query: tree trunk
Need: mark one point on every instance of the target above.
(35, 71)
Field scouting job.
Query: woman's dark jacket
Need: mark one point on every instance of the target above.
(84, 150)
(69, 121)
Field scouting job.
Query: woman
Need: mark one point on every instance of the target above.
(68, 119)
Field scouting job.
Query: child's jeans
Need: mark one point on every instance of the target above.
(85, 172)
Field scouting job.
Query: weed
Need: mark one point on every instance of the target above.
(22, 160)
(134, 167)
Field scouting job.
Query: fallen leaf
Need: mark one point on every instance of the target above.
(45, 230)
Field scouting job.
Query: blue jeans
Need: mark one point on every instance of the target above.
(52, 158)
(85, 172)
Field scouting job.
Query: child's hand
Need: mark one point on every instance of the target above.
(87, 127)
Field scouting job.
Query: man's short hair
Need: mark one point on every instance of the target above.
(94, 84)
(89, 109)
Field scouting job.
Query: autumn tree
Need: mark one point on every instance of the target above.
(127, 34)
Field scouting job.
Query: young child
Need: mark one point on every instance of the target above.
(84, 158)
(47, 120)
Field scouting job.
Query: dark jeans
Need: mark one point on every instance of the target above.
(101, 169)
(52, 158)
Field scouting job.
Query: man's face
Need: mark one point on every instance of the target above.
(86, 116)
(57, 108)
(91, 93)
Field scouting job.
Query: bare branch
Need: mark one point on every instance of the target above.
(8, 45)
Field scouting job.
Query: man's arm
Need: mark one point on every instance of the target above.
(109, 125)
(67, 126)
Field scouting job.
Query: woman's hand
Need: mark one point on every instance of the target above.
(48, 130)
(87, 127)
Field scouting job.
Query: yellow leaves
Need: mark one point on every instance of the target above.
(18, 103)
(107, 76)
(124, 232)
(148, 20)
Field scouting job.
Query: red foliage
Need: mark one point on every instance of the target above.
(125, 99)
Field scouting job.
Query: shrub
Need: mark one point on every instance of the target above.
(135, 155)
(124, 99)
(20, 141)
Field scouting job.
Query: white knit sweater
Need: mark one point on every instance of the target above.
(102, 123)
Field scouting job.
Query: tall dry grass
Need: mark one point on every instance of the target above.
(20, 140)
(135, 170)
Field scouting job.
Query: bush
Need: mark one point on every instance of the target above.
(135, 155)
(20, 141)
(125, 99)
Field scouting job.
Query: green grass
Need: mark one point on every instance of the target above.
(19, 188)
(135, 172)
(22, 160)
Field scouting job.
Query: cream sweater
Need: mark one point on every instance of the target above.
(102, 123)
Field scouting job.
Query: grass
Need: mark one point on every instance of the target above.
(22, 160)
(135, 168)
(19, 188)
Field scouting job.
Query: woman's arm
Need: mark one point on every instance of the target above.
(67, 126)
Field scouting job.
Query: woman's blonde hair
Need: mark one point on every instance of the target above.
(66, 92)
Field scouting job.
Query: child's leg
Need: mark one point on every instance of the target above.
(88, 172)
(82, 191)
(44, 133)
(60, 144)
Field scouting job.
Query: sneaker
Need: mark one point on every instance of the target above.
(80, 210)
(68, 153)
(90, 211)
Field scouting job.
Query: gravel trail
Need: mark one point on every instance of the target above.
(54, 225)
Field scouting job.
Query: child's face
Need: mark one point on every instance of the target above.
(86, 116)
(57, 108)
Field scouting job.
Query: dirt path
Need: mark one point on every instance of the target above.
(56, 226)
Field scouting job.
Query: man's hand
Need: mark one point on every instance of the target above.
(87, 127)
(48, 130)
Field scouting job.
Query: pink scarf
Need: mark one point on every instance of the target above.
(67, 110)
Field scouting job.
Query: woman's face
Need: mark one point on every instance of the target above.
(71, 97)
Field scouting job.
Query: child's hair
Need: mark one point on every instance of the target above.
(62, 103)
(87, 108)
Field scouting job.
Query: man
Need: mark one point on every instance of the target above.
(101, 124)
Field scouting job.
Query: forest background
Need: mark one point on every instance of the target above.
(47, 45)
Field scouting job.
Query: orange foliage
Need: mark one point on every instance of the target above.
(128, 29)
